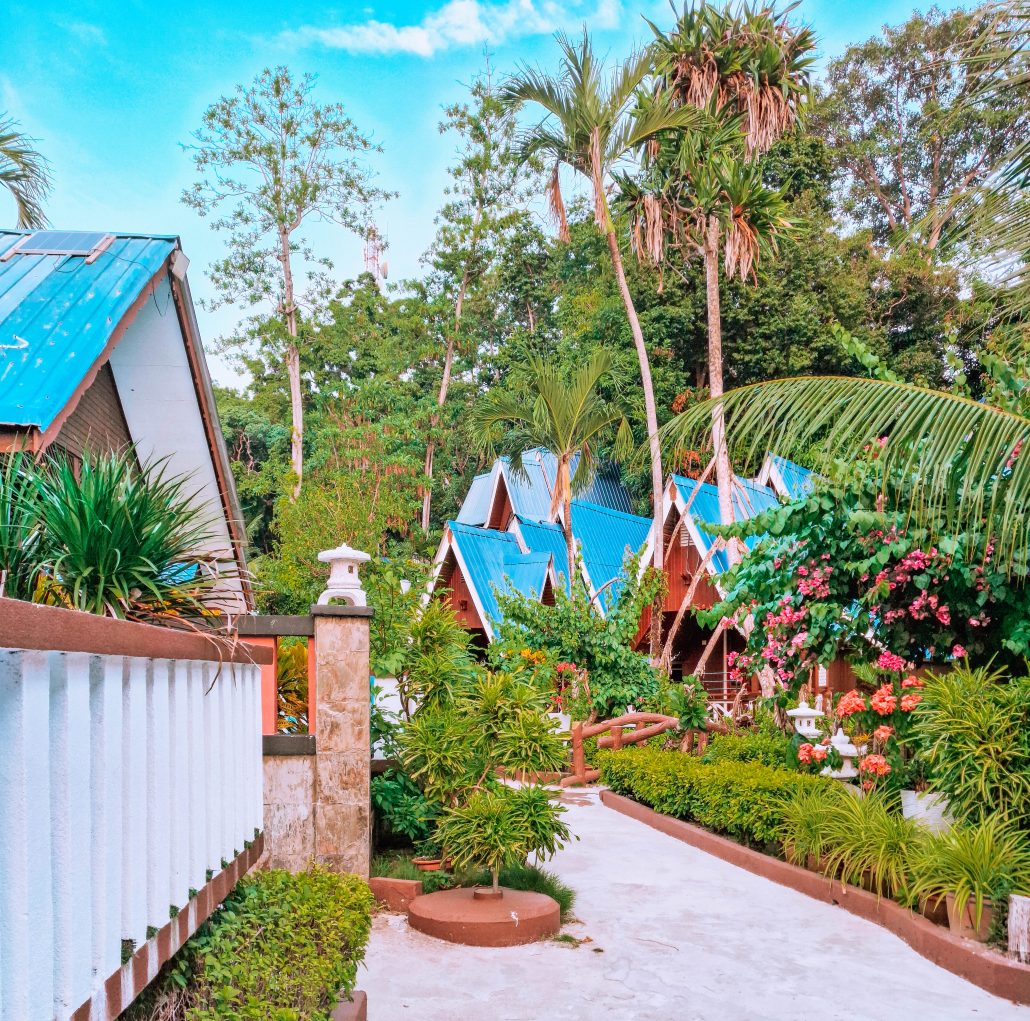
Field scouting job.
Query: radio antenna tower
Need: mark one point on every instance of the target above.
(375, 246)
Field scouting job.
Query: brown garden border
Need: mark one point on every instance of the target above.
(969, 960)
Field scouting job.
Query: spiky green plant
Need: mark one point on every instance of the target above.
(123, 541)
(972, 863)
(973, 731)
(20, 531)
(806, 819)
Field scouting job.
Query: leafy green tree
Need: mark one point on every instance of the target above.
(278, 159)
(24, 173)
(589, 125)
(563, 413)
(482, 204)
(748, 71)
(911, 127)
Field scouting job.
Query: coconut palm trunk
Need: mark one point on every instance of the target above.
(723, 470)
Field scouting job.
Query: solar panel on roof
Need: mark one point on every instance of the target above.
(61, 242)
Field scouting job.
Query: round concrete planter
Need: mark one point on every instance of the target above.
(964, 923)
(480, 918)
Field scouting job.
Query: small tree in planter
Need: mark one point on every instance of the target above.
(455, 749)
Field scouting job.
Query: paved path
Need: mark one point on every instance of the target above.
(675, 935)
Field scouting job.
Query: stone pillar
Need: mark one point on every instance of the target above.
(343, 754)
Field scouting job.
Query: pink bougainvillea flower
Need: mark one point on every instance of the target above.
(852, 702)
(909, 702)
(890, 661)
(958, 651)
(877, 765)
(883, 732)
(883, 700)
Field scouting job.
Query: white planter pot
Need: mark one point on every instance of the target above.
(928, 809)
(564, 721)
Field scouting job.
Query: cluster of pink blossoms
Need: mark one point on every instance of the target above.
(808, 753)
(891, 661)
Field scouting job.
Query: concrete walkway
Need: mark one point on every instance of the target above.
(675, 935)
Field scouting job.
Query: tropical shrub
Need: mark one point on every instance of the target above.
(805, 823)
(744, 800)
(573, 631)
(281, 948)
(402, 806)
(984, 860)
(973, 729)
(454, 748)
(107, 537)
(846, 572)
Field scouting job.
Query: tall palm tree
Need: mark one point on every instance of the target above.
(24, 173)
(590, 125)
(563, 413)
(747, 68)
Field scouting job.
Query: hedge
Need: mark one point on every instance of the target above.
(741, 799)
(281, 948)
(752, 746)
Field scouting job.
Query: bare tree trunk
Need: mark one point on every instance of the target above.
(657, 482)
(723, 471)
(565, 482)
(292, 366)
(427, 497)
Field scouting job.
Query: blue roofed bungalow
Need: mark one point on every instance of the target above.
(100, 350)
(506, 539)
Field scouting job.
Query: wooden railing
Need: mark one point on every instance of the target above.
(614, 735)
(131, 785)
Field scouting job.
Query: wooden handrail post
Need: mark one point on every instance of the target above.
(579, 766)
(617, 737)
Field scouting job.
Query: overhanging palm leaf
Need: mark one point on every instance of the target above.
(962, 456)
(24, 173)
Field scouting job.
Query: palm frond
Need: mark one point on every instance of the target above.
(24, 173)
(962, 456)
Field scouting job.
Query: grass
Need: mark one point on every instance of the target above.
(515, 877)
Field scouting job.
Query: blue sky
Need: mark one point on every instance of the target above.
(110, 90)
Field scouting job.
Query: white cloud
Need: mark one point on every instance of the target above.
(91, 35)
(458, 23)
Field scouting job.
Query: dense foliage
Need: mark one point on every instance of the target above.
(744, 800)
(281, 948)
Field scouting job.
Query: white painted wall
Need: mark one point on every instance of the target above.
(152, 373)
(122, 782)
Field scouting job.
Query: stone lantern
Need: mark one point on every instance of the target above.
(804, 718)
(344, 583)
(847, 752)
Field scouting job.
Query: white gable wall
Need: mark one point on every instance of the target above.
(162, 410)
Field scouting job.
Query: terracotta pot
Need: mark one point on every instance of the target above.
(427, 864)
(963, 925)
(820, 864)
(934, 910)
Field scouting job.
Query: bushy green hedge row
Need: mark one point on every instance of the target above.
(281, 948)
(766, 747)
(744, 800)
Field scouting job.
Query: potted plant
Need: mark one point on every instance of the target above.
(428, 855)
(966, 866)
(804, 829)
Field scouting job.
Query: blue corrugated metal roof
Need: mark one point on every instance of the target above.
(749, 500)
(546, 537)
(57, 314)
(476, 505)
(495, 563)
(797, 481)
(605, 537)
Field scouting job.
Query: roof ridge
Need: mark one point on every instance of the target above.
(610, 510)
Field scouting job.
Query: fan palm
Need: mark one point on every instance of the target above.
(747, 71)
(590, 125)
(24, 173)
(565, 414)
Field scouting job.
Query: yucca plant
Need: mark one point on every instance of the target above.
(122, 541)
(870, 844)
(974, 733)
(20, 531)
(972, 864)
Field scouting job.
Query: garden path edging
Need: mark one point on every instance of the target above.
(988, 970)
